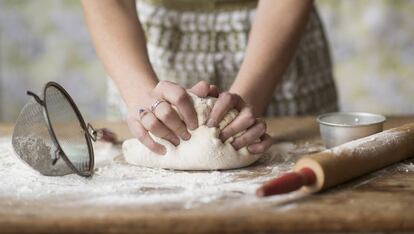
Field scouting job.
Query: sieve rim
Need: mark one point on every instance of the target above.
(78, 114)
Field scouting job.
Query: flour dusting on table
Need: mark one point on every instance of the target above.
(117, 183)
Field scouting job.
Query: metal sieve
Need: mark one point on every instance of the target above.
(51, 136)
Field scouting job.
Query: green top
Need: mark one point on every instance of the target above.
(204, 5)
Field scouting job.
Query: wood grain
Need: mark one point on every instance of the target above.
(382, 201)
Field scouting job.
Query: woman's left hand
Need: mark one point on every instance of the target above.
(254, 137)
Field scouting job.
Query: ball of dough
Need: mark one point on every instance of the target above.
(204, 151)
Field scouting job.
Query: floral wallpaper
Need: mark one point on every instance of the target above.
(42, 40)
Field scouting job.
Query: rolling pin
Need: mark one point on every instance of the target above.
(331, 167)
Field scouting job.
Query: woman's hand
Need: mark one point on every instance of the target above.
(254, 137)
(159, 117)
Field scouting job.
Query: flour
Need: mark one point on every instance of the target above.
(371, 143)
(40, 154)
(116, 182)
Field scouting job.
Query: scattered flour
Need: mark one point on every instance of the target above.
(116, 182)
(371, 143)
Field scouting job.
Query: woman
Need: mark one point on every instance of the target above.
(277, 64)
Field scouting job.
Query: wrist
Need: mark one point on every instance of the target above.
(252, 91)
(136, 92)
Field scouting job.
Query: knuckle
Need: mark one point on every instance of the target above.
(166, 114)
(250, 121)
(181, 96)
(162, 83)
(249, 117)
(168, 136)
(226, 97)
(155, 92)
(227, 132)
(213, 88)
(181, 129)
(204, 83)
(249, 112)
(153, 125)
(262, 127)
(204, 86)
(230, 130)
(235, 98)
(241, 141)
(264, 124)
(260, 148)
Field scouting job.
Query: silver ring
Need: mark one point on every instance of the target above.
(154, 106)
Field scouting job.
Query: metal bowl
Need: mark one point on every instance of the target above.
(341, 127)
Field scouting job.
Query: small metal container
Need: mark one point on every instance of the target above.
(341, 127)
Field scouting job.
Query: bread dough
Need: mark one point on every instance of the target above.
(204, 151)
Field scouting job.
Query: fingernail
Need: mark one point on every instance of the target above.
(253, 149)
(186, 136)
(193, 125)
(235, 146)
(175, 141)
(222, 137)
(211, 123)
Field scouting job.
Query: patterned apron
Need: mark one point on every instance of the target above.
(190, 40)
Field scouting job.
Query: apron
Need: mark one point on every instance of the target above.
(193, 40)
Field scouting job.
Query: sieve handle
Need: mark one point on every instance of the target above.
(36, 97)
(103, 134)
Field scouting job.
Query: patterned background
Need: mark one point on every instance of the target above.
(372, 45)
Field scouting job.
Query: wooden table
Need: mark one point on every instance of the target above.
(383, 203)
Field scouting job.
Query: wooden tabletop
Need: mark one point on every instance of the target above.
(381, 203)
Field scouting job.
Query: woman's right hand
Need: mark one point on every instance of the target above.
(163, 120)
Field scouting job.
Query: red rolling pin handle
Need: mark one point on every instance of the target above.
(287, 183)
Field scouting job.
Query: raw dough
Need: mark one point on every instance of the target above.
(204, 151)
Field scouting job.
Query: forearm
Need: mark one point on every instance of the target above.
(120, 43)
(274, 36)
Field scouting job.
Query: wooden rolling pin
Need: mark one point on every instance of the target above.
(334, 166)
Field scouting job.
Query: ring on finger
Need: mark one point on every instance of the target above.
(156, 104)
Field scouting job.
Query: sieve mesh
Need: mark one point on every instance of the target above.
(32, 142)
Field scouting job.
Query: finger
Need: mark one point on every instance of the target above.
(178, 97)
(214, 91)
(262, 146)
(170, 118)
(142, 135)
(150, 122)
(250, 136)
(242, 122)
(224, 103)
(200, 89)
